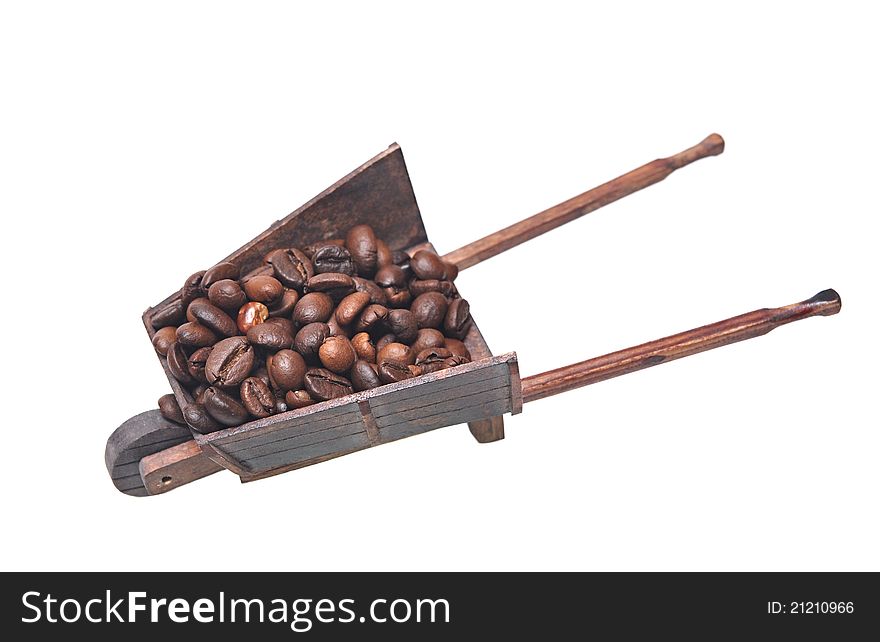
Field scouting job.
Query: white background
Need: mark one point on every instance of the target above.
(141, 142)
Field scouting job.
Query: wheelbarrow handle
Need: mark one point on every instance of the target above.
(573, 208)
(739, 328)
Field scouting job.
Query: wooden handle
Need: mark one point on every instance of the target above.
(745, 326)
(549, 219)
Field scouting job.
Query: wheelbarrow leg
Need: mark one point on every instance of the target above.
(487, 430)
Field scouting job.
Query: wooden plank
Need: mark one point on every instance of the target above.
(308, 424)
(492, 377)
(297, 440)
(462, 415)
(174, 467)
(321, 412)
(431, 407)
(421, 402)
(285, 457)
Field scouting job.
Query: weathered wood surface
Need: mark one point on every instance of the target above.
(173, 467)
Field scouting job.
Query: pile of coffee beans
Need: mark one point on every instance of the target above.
(310, 324)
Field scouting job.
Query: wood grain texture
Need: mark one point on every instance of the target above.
(174, 467)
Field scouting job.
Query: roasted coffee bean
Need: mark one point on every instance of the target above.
(283, 307)
(230, 362)
(170, 409)
(418, 287)
(372, 319)
(451, 271)
(163, 338)
(351, 306)
(314, 307)
(198, 393)
(428, 338)
(399, 257)
(264, 289)
(227, 295)
(189, 315)
(334, 284)
(192, 289)
(417, 371)
(177, 363)
(396, 352)
(322, 384)
(256, 397)
(310, 249)
(384, 340)
(291, 266)
(286, 370)
(394, 371)
(364, 376)
(309, 339)
(390, 275)
(427, 265)
(271, 336)
(195, 335)
(171, 314)
(429, 309)
(431, 359)
(377, 296)
(384, 255)
(337, 330)
(398, 297)
(261, 270)
(224, 408)
(251, 314)
(221, 271)
(337, 354)
(364, 347)
(262, 372)
(298, 399)
(197, 417)
(285, 324)
(195, 365)
(212, 317)
(458, 319)
(280, 405)
(363, 248)
(333, 258)
(454, 360)
(457, 348)
(403, 324)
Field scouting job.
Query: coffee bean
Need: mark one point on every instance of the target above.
(454, 360)
(177, 363)
(285, 324)
(429, 309)
(403, 324)
(310, 249)
(417, 371)
(227, 295)
(197, 417)
(377, 296)
(372, 319)
(264, 289)
(428, 338)
(262, 372)
(251, 314)
(189, 315)
(230, 362)
(322, 384)
(457, 348)
(351, 306)
(458, 319)
(335, 284)
(396, 352)
(195, 335)
(451, 271)
(286, 370)
(446, 288)
(362, 246)
(337, 330)
(427, 265)
(364, 376)
(224, 408)
(291, 266)
(298, 399)
(314, 307)
(309, 339)
(431, 359)
(212, 317)
(364, 347)
(333, 258)
(170, 409)
(283, 307)
(198, 393)
(399, 257)
(398, 297)
(260, 270)
(220, 272)
(384, 255)
(163, 338)
(394, 371)
(280, 405)
(337, 354)
(192, 289)
(256, 397)
(195, 365)
(171, 314)
(384, 340)
(271, 336)
(393, 281)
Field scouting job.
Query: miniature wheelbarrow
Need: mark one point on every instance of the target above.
(148, 455)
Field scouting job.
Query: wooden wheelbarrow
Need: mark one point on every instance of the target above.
(148, 455)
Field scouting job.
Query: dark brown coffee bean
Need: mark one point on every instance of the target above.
(192, 289)
(446, 288)
(403, 324)
(364, 347)
(458, 319)
(457, 348)
(390, 275)
(454, 360)
(251, 314)
(197, 417)
(310, 249)
(429, 309)
(384, 340)
(363, 248)
(260, 270)
(309, 339)
(298, 399)
(334, 284)
(264, 289)
(377, 296)
(230, 362)
(364, 376)
(256, 397)
(198, 393)
(221, 271)
(271, 336)
(163, 338)
(224, 408)
(431, 359)
(227, 295)
(189, 315)
(262, 372)
(322, 384)
(285, 324)
(397, 297)
(372, 319)
(283, 307)
(417, 371)
(195, 335)
(394, 371)
(337, 354)
(291, 266)
(171, 314)
(332, 258)
(351, 306)
(337, 330)
(384, 255)
(195, 365)
(451, 271)
(396, 352)
(286, 370)
(314, 307)
(170, 409)
(177, 363)
(428, 338)
(212, 317)
(399, 257)
(427, 265)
